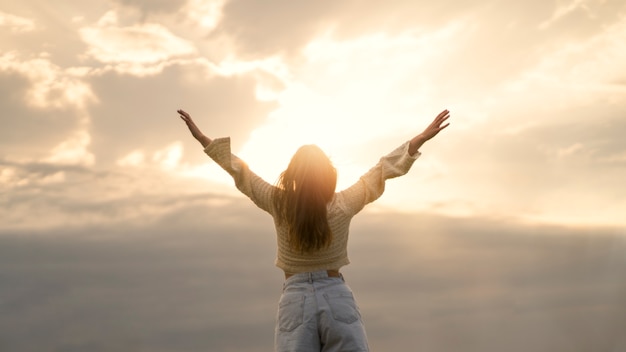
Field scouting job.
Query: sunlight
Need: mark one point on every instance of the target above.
(350, 102)
(307, 117)
(358, 105)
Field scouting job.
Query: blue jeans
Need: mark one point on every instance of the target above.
(318, 313)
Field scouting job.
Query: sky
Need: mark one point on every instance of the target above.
(117, 233)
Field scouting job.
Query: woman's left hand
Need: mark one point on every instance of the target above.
(432, 130)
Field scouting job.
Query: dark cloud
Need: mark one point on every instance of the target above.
(486, 285)
(201, 278)
(99, 287)
(140, 112)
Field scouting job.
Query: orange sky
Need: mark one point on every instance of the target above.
(536, 92)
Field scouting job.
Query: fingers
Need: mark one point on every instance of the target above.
(184, 115)
(182, 112)
(443, 115)
(437, 125)
(441, 118)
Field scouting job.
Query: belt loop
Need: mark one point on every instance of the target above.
(310, 277)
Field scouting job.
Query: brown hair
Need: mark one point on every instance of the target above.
(302, 193)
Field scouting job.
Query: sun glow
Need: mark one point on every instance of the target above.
(303, 118)
(357, 105)
(349, 102)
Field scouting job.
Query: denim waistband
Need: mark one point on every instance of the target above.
(310, 277)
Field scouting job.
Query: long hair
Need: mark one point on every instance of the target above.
(301, 196)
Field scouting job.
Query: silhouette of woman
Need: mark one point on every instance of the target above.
(317, 310)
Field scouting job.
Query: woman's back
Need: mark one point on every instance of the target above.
(339, 210)
(316, 311)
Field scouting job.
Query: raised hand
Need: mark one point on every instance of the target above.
(432, 130)
(195, 131)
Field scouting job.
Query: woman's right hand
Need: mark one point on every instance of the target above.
(195, 131)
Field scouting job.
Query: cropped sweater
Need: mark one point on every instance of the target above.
(340, 210)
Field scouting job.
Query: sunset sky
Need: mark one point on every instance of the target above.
(96, 166)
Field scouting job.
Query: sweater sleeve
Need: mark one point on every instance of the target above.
(372, 184)
(249, 183)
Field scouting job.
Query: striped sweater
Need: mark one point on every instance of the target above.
(343, 206)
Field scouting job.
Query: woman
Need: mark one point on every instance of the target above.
(317, 311)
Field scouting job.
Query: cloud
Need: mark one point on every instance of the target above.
(269, 27)
(178, 282)
(265, 28)
(449, 292)
(72, 151)
(559, 171)
(525, 125)
(583, 12)
(132, 47)
(140, 112)
(52, 104)
(170, 156)
(16, 24)
(150, 7)
(564, 10)
(51, 85)
(30, 133)
(56, 31)
(570, 72)
(134, 158)
(207, 14)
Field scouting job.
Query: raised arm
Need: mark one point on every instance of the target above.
(249, 183)
(432, 130)
(195, 131)
(397, 163)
